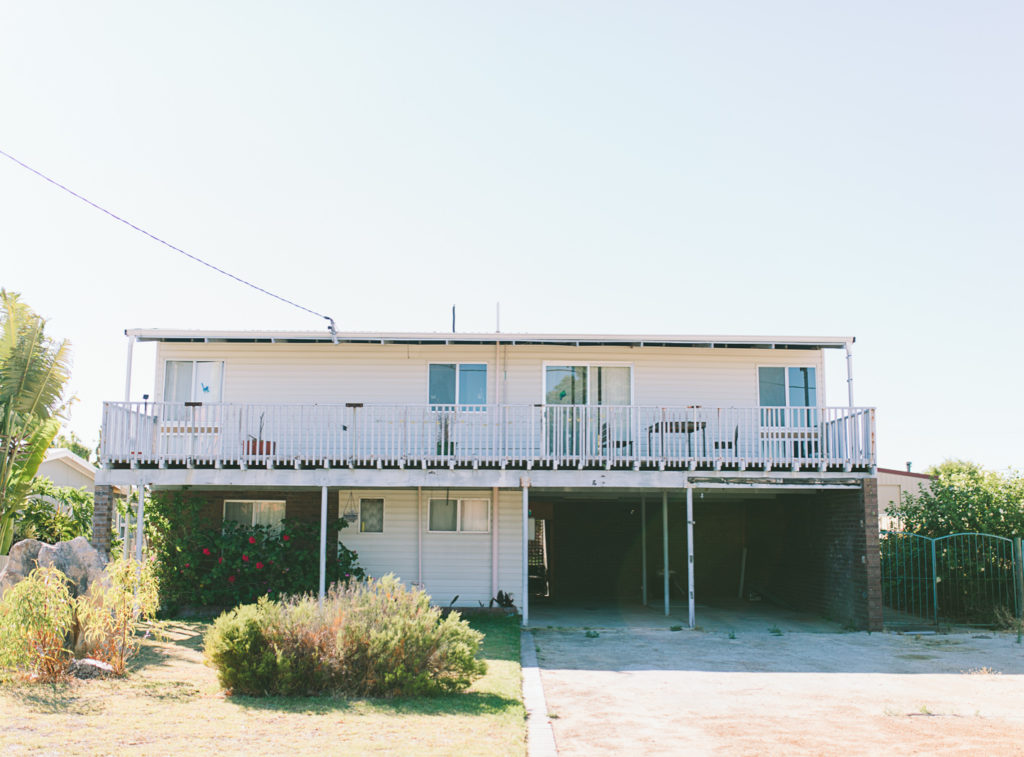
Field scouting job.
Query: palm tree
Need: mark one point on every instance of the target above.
(33, 371)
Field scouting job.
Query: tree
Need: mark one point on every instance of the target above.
(74, 443)
(964, 497)
(33, 372)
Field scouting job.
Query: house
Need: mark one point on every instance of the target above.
(892, 485)
(553, 467)
(64, 468)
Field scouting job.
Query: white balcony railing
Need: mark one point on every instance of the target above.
(225, 434)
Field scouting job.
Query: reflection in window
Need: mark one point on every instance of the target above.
(566, 385)
(371, 516)
(465, 381)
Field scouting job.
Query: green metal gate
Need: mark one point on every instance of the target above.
(968, 578)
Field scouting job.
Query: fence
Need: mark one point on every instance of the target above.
(966, 578)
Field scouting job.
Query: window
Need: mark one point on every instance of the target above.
(193, 380)
(792, 390)
(249, 512)
(458, 383)
(371, 516)
(460, 515)
(587, 385)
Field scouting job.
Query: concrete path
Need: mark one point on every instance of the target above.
(655, 691)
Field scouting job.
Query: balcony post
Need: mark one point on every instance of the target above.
(323, 543)
(849, 373)
(525, 483)
(128, 370)
(643, 548)
(664, 547)
(689, 556)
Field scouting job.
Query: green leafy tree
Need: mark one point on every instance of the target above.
(965, 497)
(33, 372)
(71, 441)
(54, 513)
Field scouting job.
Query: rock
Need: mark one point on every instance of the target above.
(77, 559)
(90, 668)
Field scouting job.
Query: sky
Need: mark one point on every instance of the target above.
(790, 168)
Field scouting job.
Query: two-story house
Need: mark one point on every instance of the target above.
(550, 467)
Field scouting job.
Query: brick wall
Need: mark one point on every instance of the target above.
(102, 518)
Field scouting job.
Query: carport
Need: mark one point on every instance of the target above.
(713, 553)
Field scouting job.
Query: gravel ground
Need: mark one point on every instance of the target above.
(653, 691)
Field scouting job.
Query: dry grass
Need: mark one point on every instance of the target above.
(170, 704)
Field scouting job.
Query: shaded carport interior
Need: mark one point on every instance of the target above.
(805, 557)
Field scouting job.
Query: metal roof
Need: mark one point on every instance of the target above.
(574, 340)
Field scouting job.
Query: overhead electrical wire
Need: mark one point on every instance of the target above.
(155, 238)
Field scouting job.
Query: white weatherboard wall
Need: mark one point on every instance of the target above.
(398, 374)
(453, 564)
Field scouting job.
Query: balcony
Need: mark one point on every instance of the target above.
(227, 435)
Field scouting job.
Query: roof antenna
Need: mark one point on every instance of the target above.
(497, 327)
(453, 319)
(330, 327)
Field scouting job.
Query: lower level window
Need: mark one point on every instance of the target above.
(371, 516)
(254, 512)
(467, 516)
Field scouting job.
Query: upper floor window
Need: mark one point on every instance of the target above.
(587, 384)
(193, 380)
(458, 383)
(787, 387)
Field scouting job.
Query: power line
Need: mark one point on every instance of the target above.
(165, 243)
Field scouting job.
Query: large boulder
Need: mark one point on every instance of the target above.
(77, 559)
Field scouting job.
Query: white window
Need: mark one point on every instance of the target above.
(458, 383)
(788, 395)
(193, 380)
(467, 516)
(371, 516)
(255, 512)
(587, 384)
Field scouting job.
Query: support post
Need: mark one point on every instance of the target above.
(128, 371)
(849, 372)
(664, 547)
(689, 555)
(643, 549)
(1018, 578)
(525, 603)
(494, 542)
(323, 544)
(125, 545)
(139, 523)
(935, 584)
(419, 536)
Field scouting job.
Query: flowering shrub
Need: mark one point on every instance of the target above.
(202, 562)
(373, 638)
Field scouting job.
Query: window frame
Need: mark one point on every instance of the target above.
(458, 514)
(458, 381)
(254, 502)
(785, 372)
(192, 392)
(383, 515)
(591, 374)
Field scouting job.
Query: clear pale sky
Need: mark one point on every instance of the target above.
(683, 168)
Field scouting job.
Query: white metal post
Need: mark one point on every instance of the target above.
(419, 536)
(643, 548)
(323, 543)
(494, 541)
(664, 545)
(526, 544)
(849, 372)
(128, 371)
(139, 521)
(689, 554)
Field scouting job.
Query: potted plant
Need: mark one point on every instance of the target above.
(255, 445)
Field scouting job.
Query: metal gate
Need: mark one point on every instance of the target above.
(968, 578)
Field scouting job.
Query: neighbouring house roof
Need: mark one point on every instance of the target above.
(898, 472)
(70, 459)
(574, 340)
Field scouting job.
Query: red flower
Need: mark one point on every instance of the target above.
(259, 566)
(187, 565)
(245, 558)
(286, 537)
(206, 551)
(220, 560)
(252, 539)
(231, 579)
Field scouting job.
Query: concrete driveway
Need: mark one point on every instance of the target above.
(655, 691)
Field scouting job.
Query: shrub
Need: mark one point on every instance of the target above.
(205, 561)
(54, 513)
(109, 617)
(36, 618)
(373, 638)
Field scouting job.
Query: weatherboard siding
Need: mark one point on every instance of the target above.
(453, 564)
(398, 374)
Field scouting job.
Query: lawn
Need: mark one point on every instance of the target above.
(170, 704)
